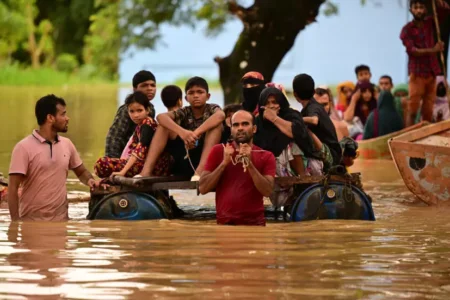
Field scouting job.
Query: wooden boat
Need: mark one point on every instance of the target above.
(422, 158)
(316, 197)
(377, 148)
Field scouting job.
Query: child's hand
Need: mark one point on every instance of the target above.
(118, 174)
(189, 137)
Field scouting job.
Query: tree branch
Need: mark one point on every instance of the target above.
(237, 10)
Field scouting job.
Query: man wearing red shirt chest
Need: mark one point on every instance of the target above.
(239, 192)
(423, 66)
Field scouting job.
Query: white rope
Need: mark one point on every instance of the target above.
(243, 159)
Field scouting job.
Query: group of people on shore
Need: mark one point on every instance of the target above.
(236, 151)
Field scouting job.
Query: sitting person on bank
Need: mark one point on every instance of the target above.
(199, 126)
(384, 119)
(362, 103)
(132, 159)
(323, 96)
(229, 110)
(241, 174)
(318, 121)
(123, 127)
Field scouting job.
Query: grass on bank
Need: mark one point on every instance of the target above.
(15, 75)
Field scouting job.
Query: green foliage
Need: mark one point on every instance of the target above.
(16, 75)
(142, 19)
(13, 27)
(102, 44)
(66, 63)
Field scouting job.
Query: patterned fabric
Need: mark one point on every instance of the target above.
(105, 166)
(327, 157)
(185, 116)
(414, 37)
(136, 148)
(120, 131)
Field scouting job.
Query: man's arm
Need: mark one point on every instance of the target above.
(84, 175)
(116, 137)
(13, 195)
(411, 49)
(314, 120)
(284, 126)
(264, 184)
(213, 121)
(216, 162)
(167, 120)
(209, 180)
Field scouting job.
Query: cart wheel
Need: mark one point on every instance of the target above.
(128, 206)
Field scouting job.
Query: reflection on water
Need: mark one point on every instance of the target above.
(404, 254)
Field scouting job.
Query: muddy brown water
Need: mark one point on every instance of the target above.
(405, 254)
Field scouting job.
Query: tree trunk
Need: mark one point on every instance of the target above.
(269, 33)
(32, 48)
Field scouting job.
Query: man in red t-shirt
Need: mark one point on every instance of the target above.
(239, 192)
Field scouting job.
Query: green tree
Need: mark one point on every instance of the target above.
(71, 21)
(269, 30)
(13, 27)
(102, 43)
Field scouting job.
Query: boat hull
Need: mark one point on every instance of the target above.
(425, 168)
(378, 148)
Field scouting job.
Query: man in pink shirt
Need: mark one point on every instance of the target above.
(40, 162)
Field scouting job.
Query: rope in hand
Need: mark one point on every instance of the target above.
(190, 161)
(243, 159)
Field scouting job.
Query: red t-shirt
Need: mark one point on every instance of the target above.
(238, 201)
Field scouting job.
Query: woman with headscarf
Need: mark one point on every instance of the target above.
(362, 103)
(440, 109)
(281, 130)
(384, 119)
(252, 86)
(344, 91)
(400, 93)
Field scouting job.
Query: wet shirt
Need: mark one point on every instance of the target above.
(45, 166)
(238, 201)
(324, 130)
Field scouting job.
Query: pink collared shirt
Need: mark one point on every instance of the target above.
(45, 166)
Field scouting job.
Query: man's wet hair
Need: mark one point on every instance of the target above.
(361, 68)
(387, 77)
(170, 95)
(196, 81)
(137, 97)
(412, 2)
(47, 106)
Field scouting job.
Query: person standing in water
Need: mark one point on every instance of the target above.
(40, 162)
(423, 66)
(239, 191)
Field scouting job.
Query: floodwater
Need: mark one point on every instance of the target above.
(405, 254)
